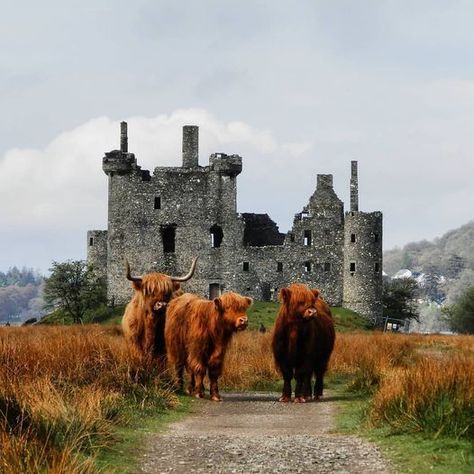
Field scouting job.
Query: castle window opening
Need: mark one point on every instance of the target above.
(168, 234)
(307, 267)
(91, 241)
(352, 267)
(246, 266)
(353, 237)
(377, 267)
(376, 237)
(279, 266)
(292, 237)
(157, 204)
(216, 236)
(327, 267)
(307, 238)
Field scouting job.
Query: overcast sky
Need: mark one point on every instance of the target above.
(297, 88)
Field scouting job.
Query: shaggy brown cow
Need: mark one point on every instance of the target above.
(303, 340)
(144, 318)
(197, 333)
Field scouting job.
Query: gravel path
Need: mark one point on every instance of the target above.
(252, 433)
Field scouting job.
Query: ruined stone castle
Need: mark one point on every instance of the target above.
(159, 221)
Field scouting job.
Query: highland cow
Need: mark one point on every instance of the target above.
(303, 340)
(144, 318)
(197, 333)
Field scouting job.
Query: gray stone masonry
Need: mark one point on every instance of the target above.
(160, 220)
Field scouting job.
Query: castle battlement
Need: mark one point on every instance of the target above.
(160, 221)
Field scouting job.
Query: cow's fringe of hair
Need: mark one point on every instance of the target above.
(299, 292)
(156, 283)
(234, 301)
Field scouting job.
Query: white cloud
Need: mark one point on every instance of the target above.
(62, 190)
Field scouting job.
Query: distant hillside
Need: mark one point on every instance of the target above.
(20, 295)
(447, 262)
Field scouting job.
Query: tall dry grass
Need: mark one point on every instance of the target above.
(417, 382)
(61, 391)
(249, 363)
(63, 388)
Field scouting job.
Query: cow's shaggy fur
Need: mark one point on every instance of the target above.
(303, 340)
(144, 318)
(197, 333)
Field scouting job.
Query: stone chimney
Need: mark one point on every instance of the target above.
(190, 146)
(123, 137)
(324, 181)
(354, 187)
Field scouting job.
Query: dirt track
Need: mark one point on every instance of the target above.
(252, 433)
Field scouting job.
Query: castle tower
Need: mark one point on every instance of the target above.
(315, 242)
(97, 251)
(362, 257)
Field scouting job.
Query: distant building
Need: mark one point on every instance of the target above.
(160, 221)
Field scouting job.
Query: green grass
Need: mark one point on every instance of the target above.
(265, 312)
(102, 314)
(408, 453)
(260, 313)
(123, 456)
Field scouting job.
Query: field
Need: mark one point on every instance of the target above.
(64, 390)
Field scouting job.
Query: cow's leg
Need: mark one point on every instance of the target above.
(178, 379)
(301, 379)
(197, 369)
(191, 384)
(199, 384)
(318, 385)
(307, 392)
(287, 376)
(215, 370)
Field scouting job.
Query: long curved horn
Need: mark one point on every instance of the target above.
(190, 273)
(129, 277)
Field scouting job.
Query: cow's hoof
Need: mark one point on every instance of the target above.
(300, 400)
(199, 395)
(317, 398)
(284, 399)
(216, 398)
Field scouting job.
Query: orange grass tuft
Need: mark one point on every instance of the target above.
(60, 390)
(249, 363)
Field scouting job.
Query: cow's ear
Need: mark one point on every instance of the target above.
(249, 301)
(218, 305)
(315, 292)
(285, 295)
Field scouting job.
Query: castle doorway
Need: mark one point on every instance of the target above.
(214, 290)
(266, 291)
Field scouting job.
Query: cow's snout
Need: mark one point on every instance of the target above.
(310, 313)
(159, 305)
(242, 323)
